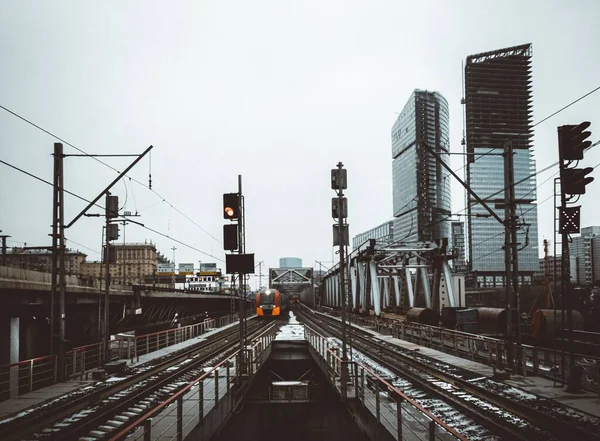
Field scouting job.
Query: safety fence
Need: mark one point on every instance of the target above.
(494, 352)
(26, 376)
(397, 413)
(203, 403)
(29, 375)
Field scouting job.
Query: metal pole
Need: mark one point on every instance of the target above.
(62, 350)
(242, 307)
(106, 330)
(55, 259)
(507, 254)
(342, 238)
(516, 297)
(574, 380)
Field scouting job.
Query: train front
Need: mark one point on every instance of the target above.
(268, 303)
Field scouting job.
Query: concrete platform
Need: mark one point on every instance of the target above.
(54, 392)
(19, 404)
(179, 346)
(585, 402)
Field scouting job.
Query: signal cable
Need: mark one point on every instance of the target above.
(101, 207)
(149, 187)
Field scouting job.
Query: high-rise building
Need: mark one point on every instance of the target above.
(383, 235)
(498, 109)
(458, 241)
(421, 186)
(290, 262)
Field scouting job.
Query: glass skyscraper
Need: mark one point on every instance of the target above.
(498, 109)
(421, 186)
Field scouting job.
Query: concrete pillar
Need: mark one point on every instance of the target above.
(14, 356)
(32, 337)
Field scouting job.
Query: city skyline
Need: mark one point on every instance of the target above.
(220, 96)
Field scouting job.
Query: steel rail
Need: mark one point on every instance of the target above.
(34, 421)
(539, 420)
(155, 410)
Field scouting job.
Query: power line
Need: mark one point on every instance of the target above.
(99, 206)
(106, 165)
(46, 182)
(83, 246)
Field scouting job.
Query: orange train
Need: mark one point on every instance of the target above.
(268, 303)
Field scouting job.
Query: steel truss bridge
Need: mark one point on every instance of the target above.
(392, 277)
(293, 281)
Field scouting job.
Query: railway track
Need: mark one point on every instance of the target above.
(547, 369)
(89, 413)
(503, 410)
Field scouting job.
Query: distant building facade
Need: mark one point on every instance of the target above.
(40, 259)
(290, 262)
(540, 274)
(459, 265)
(383, 235)
(584, 253)
(498, 109)
(421, 186)
(130, 264)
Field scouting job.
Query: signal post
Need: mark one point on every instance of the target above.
(571, 145)
(237, 263)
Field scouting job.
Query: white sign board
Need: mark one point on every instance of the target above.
(186, 268)
(165, 268)
(208, 267)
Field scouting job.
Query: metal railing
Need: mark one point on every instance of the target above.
(186, 409)
(491, 351)
(393, 410)
(26, 376)
(30, 375)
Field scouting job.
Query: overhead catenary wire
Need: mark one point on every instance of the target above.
(101, 207)
(149, 187)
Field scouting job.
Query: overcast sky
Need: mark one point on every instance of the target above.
(277, 91)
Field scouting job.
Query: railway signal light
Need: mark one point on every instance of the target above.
(231, 206)
(574, 180)
(230, 237)
(339, 179)
(112, 206)
(569, 220)
(339, 208)
(572, 141)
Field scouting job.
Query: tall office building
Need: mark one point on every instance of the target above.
(498, 109)
(421, 186)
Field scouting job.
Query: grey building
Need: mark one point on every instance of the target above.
(585, 256)
(290, 262)
(421, 186)
(498, 109)
(383, 234)
(458, 241)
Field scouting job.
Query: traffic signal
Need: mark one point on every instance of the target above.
(112, 206)
(572, 141)
(231, 206)
(230, 237)
(574, 180)
(339, 208)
